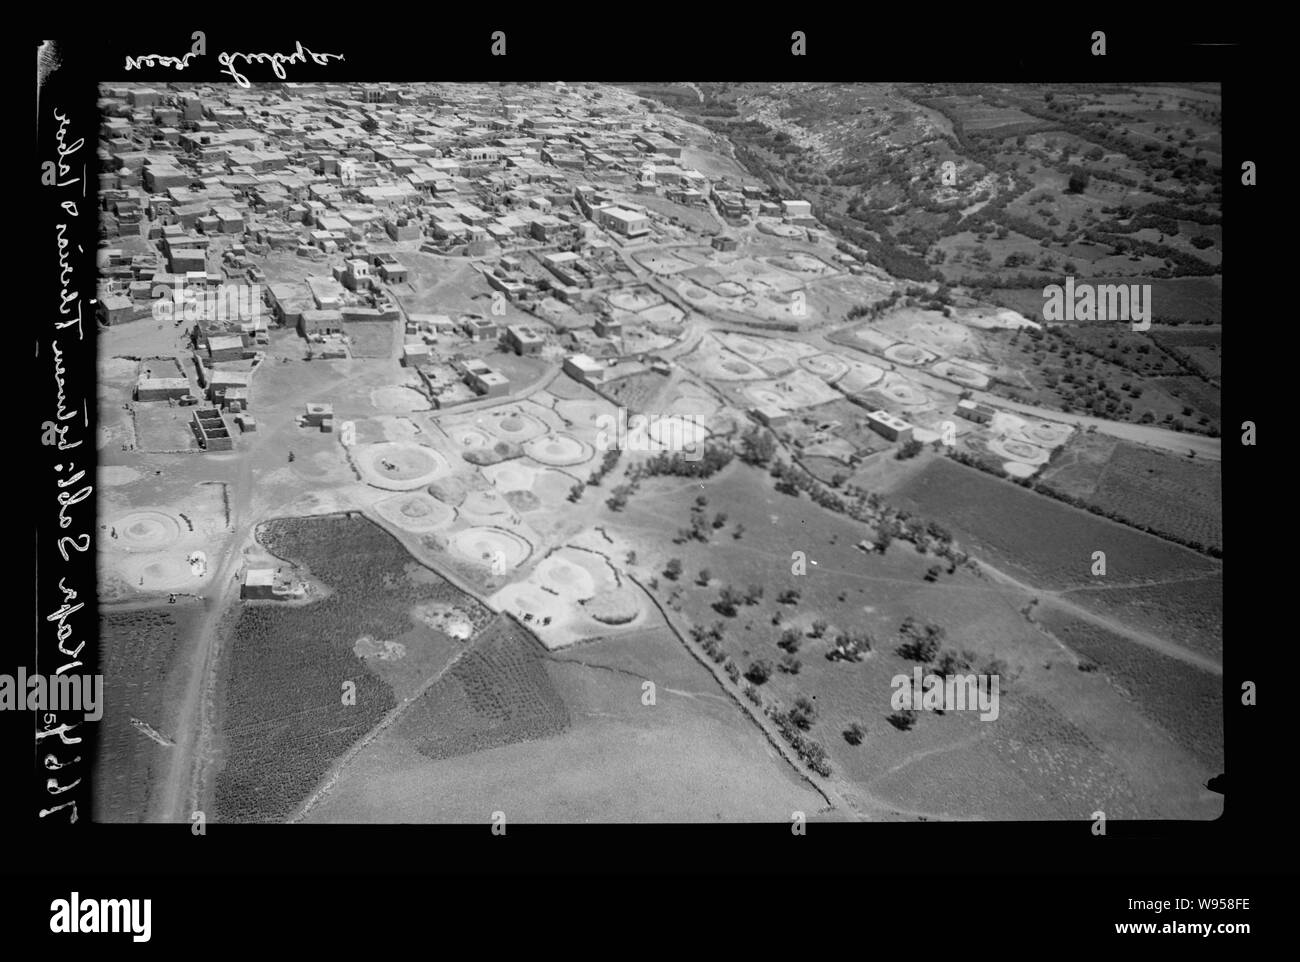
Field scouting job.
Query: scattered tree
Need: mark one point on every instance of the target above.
(728, 601)
(757, 446)
(922, 644)
(903, 720)
(909, 449)
(850, 646)
(804, 713)
(759, 671)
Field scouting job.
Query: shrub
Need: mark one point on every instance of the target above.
(804, 713)
(728, 600)
(815, 755)
(910, 449)
(922, 643)
(757, 447)
(617, 499)
(850, 647)
(952, 663)
(759, 671)
(903, 720)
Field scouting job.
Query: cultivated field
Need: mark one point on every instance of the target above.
(690, 757)
(139, 659)
(1179, 300)
(1182, 699)
(496, 693)
(1175, 496)
(285, 719)
(1199, 347)
(1045, 542)
(1189, 612)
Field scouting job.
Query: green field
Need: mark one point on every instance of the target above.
(495, 694)
(1188, 612)
(1179, 300)
(139, 659)
(1185, 701)
(284, 718)
(1044, 542)
(692, 756)
(1179, 497)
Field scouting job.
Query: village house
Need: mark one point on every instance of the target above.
(524, 339)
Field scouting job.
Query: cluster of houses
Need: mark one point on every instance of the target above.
(319, 168)
(542, 184)
(322, 166)
(747, 201)
(226, 331)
